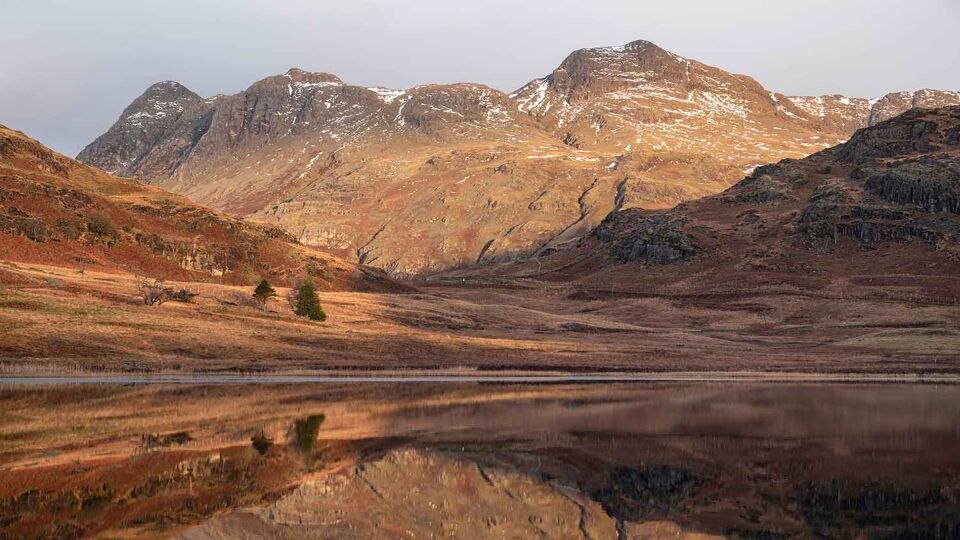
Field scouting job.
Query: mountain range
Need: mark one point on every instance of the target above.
(439, 176)
(846, 260)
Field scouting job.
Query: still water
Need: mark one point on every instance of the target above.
(480, 459)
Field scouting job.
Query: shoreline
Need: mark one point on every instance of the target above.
(455, 377)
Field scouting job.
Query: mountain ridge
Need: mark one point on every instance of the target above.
(434, 176)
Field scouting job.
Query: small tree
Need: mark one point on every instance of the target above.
(264, 292)
(307, 302)
(153, 292)
(306, 430)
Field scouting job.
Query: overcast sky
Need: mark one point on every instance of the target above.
(68, 68)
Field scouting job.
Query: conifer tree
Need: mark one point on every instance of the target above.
(308, 304)
(264, 292)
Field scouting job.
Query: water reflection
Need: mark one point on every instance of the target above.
(481, 460)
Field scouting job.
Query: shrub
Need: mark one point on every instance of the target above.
(34, 229)
(307, 302)
(182, 295)
(68, 229)
(154, 292)
(100, 225)
(261, 443)
(324, 274)
(178, 438)
(306, 430)
(321, 272)
(236, 298)
(264, 292)
(150, 441)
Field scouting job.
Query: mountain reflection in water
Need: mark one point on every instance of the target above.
(651, 460)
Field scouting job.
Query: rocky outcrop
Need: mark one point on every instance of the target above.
(658, 239)
(930, 184)
(765, 184)
(903, 168)
(911, 133)
(892, 186)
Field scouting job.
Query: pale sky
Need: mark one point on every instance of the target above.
(69, 67)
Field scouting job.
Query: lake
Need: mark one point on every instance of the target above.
(478, 459)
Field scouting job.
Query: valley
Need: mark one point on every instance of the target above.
(843, 262)
(57, 322)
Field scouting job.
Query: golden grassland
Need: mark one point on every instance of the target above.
(59, 320)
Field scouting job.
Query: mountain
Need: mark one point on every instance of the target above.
(57, 211)
(877, 217)
(438, 176)
(844, 115)
(646, 98)
(140, 128)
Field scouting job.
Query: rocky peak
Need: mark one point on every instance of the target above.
(139, 127)
(296, 81)
(169, 90)
(160, 104)
(602, 69)
(634, 97)
(896, 103)
(312, 77)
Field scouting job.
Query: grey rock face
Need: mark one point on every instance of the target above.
(658, 239)
(766, 184)
(140, 127)
(893, 194)
(908, 133)
(929, 184)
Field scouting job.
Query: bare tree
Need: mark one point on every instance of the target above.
(153, 291)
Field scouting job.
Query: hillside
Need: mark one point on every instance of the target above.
(853, 250)
(436, 176)
(57, 211)
(879, 213)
